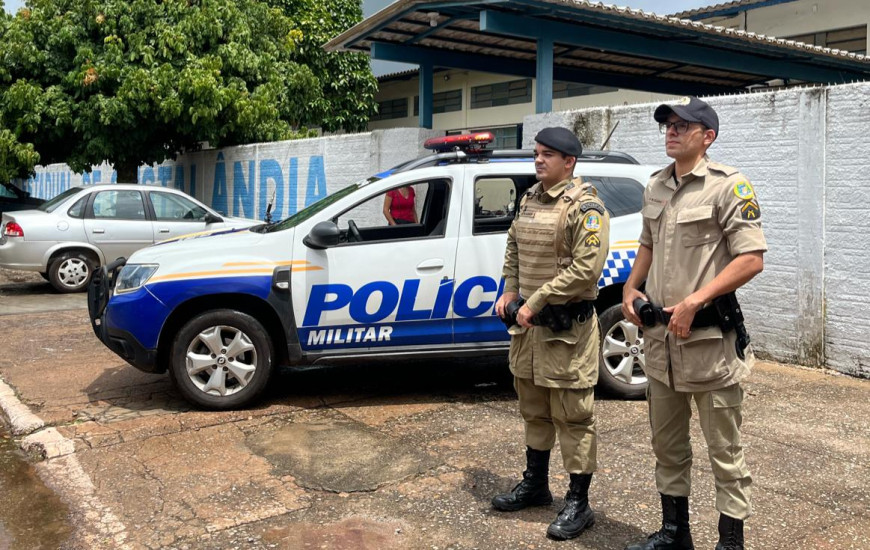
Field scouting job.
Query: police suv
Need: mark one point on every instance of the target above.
(336, 282)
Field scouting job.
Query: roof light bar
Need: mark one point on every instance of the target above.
(464, 142)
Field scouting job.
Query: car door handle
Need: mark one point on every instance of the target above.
(163, 230)
(98, 231)
(434, 263)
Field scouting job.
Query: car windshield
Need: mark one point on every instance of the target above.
(309, 211)
(51, 206)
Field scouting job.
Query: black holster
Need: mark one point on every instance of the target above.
(554, 317)
(724, 313)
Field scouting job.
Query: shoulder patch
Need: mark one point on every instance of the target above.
(592, 222)
(750, 210)
(591, 205)
(593, 241)
(744, 191)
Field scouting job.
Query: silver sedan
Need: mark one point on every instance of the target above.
(69, 236)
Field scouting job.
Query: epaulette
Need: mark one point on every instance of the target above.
(723, 168)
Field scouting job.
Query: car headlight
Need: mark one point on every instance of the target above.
(133, 276)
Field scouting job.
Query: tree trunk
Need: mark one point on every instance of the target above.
(127, 173)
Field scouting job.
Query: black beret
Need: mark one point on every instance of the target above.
(690, 109)
(560, 139)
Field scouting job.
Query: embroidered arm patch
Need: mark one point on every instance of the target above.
(591, 205)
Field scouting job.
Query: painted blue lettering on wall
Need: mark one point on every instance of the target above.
(316, 188)
(243, 191)
(270, 169)
(219, 189)
(178, 183)
(293, 187)
(164, 175)
(192, 191)
(147, 176)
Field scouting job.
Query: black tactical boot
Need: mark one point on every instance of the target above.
(576, 515)
(674, 534)
(533, 490)
(730, 533)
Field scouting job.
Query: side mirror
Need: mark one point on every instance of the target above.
(211, 218)
(323, 235)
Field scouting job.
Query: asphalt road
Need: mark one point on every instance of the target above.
(389, 456)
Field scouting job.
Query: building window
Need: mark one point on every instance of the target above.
(853, 39)
(392, 108)
(503, 93)
(573, 89)
(442, 102)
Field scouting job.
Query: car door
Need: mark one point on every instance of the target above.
(117, 223)
(175, 215)
(383, 286)
(492, 196)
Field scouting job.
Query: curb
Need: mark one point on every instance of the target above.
(22, 421)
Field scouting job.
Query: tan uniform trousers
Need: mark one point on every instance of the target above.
(720, 413)
(570, 413)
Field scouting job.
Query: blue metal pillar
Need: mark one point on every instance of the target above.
(426, 95)
(544, 76)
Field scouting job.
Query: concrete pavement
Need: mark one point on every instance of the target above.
(386, 456)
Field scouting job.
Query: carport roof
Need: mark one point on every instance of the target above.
(593, 43)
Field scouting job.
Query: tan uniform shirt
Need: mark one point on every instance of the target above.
(565, 359)
(695, 230)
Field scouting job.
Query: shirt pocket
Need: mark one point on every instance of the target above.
(653, 214)
(655, 348)
(702, 355)
(698, 225)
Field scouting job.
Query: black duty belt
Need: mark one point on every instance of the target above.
(554, 317)
(725, 312)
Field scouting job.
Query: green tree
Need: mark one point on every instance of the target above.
(138, 81)
(319, 22)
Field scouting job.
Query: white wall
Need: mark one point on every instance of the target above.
(806, 153)
(239, 181)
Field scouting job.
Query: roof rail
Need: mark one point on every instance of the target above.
(459, 156)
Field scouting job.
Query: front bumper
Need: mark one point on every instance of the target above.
(119, 341)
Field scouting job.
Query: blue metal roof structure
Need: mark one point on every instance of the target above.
(591, 43)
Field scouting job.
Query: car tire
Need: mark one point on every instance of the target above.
(44, 275)
(621, 356)
(71, 272)
(221, 339)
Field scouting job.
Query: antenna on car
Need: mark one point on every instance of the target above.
(268, 217)
(608, 136)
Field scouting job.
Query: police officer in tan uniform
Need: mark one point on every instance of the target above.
(701, 240)
(556, 250)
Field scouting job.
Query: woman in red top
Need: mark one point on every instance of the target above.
(399, 206)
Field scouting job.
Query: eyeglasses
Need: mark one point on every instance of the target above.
(680, 126)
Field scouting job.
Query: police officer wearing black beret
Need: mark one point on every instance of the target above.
(556, 250)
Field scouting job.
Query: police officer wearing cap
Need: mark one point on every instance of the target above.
(556, 249)
(701, 240)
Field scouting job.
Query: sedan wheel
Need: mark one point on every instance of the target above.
(622, 356)
(71, 272)
(221, 359)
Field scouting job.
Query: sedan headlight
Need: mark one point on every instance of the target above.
(133, 276)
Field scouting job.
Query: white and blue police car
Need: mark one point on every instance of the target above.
(335, 281)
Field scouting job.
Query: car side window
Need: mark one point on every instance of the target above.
(496, 199)
(7, 193)
(418, 210)
(171, 207)
(77, 210)
(119, 205)
(621, 196)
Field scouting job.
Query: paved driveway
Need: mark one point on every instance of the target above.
(389, 456)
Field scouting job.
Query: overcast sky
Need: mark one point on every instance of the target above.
(370, 7)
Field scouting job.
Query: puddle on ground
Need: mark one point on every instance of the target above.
(32, 517)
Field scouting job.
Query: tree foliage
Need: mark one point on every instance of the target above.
(137, 81)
